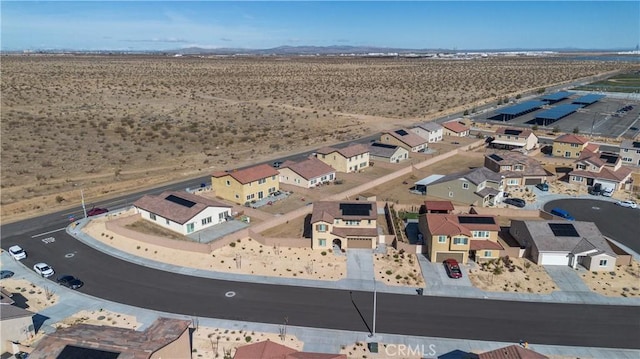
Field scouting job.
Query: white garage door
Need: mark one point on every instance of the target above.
(554, 259)
(606, 185)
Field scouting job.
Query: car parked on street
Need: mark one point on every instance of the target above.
(627, 203)
(518, 202)
(70, 281)
(96, 211)
(562, 214)
(452, 268)
(43, 269)
(17, 252)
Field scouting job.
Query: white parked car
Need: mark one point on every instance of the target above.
(43, 269)
(17, 252)
(627, 203)
(607, 192)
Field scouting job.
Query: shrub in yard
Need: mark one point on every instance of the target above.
(323, 253)
(232, 244)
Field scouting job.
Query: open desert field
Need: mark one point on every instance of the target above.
(112, 124)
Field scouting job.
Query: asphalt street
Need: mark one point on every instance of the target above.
(116, 280)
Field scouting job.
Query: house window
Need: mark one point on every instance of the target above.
(577, 178)
(465, 185)
(518, 168)
(152, 216)
(480, 234)
(272, 189)
(206, 221)
(228, 183)
(336, 221)
(237, 196)
(363, 164)
(262, 180)
(222, 216)
(313, 181)
(321, 227)
(450, 194)
(581, 167)
(273, 178)
(352, 223)
(603, 263)
(627, 159)
(166, 221)
(190, 227)
(460, 240)
(487, 253)
(512, 182)
(250, 196)
(442, 239)
(322, 242)
(574, 145)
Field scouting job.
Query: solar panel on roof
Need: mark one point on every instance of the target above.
(180, 201)
(636, 144)
(355, 209)
(563, 230)
(476, 220)
(74, 352)
(383, 145)
(496, 157)
(401, 132)
(512, 132)
(609, 158)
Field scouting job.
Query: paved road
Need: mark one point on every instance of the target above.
(617, 222)
(123, 282)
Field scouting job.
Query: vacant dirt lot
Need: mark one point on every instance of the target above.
(111, 124)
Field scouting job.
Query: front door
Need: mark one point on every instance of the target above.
(260, 195)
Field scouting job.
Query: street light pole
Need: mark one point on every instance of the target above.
(375, 300)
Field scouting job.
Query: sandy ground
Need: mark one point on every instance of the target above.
(526, 277)
(623, 282)
(398, 268)
(37, 298)
(245, 257)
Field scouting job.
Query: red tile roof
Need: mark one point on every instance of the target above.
(248, 175)
(270, 350)
(327, 211)
(571, 138)
(448, 224)
(309, 168)
(605, 173)
(512, 352)
(162, 207)
(438, 205)
(410, 138)
(455, 126)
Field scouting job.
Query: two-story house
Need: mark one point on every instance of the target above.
(630, 152)
(479, 186)
(518, 169)
(349, 159)
(307, 173)
(246, 185)
(430, 131)
(600, 167)
(344, 224)
(461, 237)
(405, 139)
(571, 146)
(455, 128)
(514, 138)
(387, 153)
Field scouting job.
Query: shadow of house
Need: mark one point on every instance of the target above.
(306, 231)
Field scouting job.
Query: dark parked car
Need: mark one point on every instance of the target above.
(6, 274)
(452, 267)
(596, 189)
(518, 202)
(96, 211)
(543, 186)
(70, 281)
(277, 164)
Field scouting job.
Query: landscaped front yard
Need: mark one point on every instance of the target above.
(623, 282)
(398, 268)
(512, 275)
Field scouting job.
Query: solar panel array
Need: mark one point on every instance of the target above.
(521, 108)
(383, 145)
(476, 220)
(402, 132)
(512, 132)
(558, 112)
(180, 201)
(636, 144)
(560, 95)
(496, 157)
(610, 159)
(563, 230)
(355, 209)
(588, 99)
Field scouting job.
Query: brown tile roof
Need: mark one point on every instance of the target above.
(455, 126)
(131, 344)
(605, 173)
(347, 152)
(9, 311)
(592, 147)
(438, 205)
(449, 224)
(354, 232)
(409, 138)
(510, 158)
(327, 211)
(512, 352)
(178, 213)
(480, 244)
(309, 168)
(571, 138)
(523, 132)
(250, 174)
(270, 350)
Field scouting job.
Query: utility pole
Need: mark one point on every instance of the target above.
(375, 303)
(84, 209)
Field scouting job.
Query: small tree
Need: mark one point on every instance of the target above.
(466, 112)
(556, 129)
(59, 199)
(518, 96)
(576, 130)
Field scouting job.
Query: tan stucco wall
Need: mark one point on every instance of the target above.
(593, 263)
(467, 196)
(16, 329)
(560, 148)
(346, 165)
(180, 348)
(287, 176)
(237, 192)
(329, 237)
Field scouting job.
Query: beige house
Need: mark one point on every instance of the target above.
(344, 224)
(601, 167)
(308, 173)
(352, 158)
(246, 185)
(430, 131)
(461, 237)
(514, 138)
(405, 139)
(567, 243)
(630, 152)
(387, 153)
(479, 187)
(16, 325)
(571, 146)
(165, 338)
(455, 128)
(517, 169)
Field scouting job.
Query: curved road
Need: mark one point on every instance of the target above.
(120, 281)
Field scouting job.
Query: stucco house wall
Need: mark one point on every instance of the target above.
(15, 329)
(179, 348)
(228, 188)
(216, 214)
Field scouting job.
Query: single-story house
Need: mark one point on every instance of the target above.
(352, 158)
(568, 243)
(405, 139)
(344, 224)
(455, 128)
(385, 152)
(182, 212)
(307, 173)
(480, 186)
(430, 131)
(246, 185)
(16, 325)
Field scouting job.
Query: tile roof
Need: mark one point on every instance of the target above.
(455, 126)
(250, 174)
(475, 176)
(449, 224)
(354, 232)
(9, 312)
(605, 173)
(309, 169)
(382, 149)
(509, 158)
(511, 352)
(129, 343)
(591, 147)
(409, 138)
(430, 126)
(270, 350)
(162, 207)
(487, 191)
(327, 211)
(630, 144)
(438, 205)
(347, 152)
(571, 138)
(480, 244)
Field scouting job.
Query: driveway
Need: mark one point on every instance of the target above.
(567, 279)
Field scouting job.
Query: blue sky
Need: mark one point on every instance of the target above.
(163, 25)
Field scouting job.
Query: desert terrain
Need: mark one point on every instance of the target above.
(113, 124)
